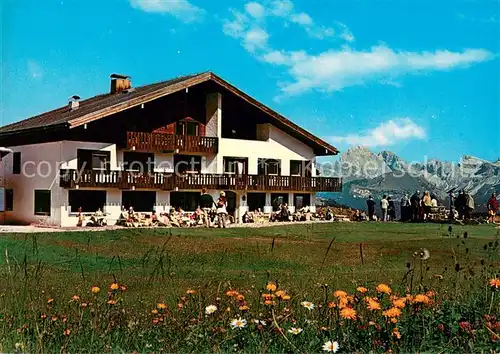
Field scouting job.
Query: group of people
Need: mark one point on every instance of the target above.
(461, 206)
(415, 208)
(387, 208)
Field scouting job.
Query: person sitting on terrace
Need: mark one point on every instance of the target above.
(154, 218)
(284, 213)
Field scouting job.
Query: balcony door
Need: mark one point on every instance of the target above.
(187, 127)
(236, 165)
(185, 164)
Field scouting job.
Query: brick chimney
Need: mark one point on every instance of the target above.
(120, 83)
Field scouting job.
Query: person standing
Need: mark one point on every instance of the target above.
(221, 209)
(492, 207)
(469, 205)
(391, 210)
(452, 204)
(384, 206)
(427, 204)
(415, 206)
(405, 208)
(460, 204)
(370, 203)
(206, 204)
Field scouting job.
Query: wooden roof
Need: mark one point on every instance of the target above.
(105, 105)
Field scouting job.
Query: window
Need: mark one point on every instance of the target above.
(300, 168)
(187, 164)
(277, 199)
(256, 201)
(138, 161)
(16, 167)
(9, 200)
(42, 202)
(187, 201)
(93, 159)
(140, 201)
(187, 128)
(235, 165)
(301, 200)
(269, 167)
(89, 201)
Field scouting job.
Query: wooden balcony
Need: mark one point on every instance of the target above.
(152, 142)
(169, 181)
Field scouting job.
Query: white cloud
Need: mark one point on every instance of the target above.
(335, 69)
(302, 19)
(281, 8)
(386, 134)
(181, 9)
(255, 10)
(255, 38)
(35, 70)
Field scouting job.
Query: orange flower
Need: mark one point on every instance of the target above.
(285, 297)
(495, 283)
(43, 316)
(123, 287)
(180, 305)
(396, 334)
(362, 289)
(398, 302)
(280, 293)
(232, 293)
(95, 289)
(340, 293)
(114, 286)
(383, 288)
(269, 302)
(392, 312)
(372, 303)
(111, 302)
(331, 305)
(271, 286)
(244, 308)
(394, 320)
(268, 296)
(240, 297)
(348, 313)
(430, 293)
(190, 292)
(343, 301)
(54, 318)
(75, 298)
(421, 299)
(49, 301)
(154, 312)
(67, 332)
(161, 306)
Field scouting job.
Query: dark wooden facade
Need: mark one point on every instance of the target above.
(169, 181)
(161, 142)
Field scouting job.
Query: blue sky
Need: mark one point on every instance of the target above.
(420, 78)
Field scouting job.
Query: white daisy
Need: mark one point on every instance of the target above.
(295, 331)
(308, 305)
(259, 322)
(331, 346)
(238, 323)
(210, 309)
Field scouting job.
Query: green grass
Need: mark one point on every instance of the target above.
(157, 265)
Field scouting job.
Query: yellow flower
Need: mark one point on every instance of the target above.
(114, 286)
(271, 286)
(340, 293)
(392, 312)
(348, 313)
(161, 306)
(190, 292)
(362, 289)
(495, 283)
(95, 289)
(383, 288)
(421, 299)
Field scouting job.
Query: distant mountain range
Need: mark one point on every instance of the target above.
(366, 173)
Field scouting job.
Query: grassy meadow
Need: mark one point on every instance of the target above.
(155, 285)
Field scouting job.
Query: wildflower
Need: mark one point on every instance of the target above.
(228, 309)
(43, 316)
(392, 312)
(210, 309)
(269, 302)
(399, 302)
(95, 289)
(75, 298)
(495, 283)
(240, 297)
(285, 297)
(362, 289)
(243, 308)
(424, 254)
(123, 288)
(348, 313)
(180, 305)
(394, 320)
(111, 302)
(232, 293)
(20, 346)
(154, 312)
(238, 323)
(308, 305)
(340, 293)
(372, 304)
(441, 327)
(331, 305)
(295, 331)
(114, 286)
(54, 318)
(424, 299)
(161, 306)
(67, 332)
(383, 288)
(49, 301)
(84, 304)
(343, 301)
(430, 293)
(259, 322)
(268, 296)
(190, 292)
(331, 346)
(271, 286)
(396, 334)
(280, 293)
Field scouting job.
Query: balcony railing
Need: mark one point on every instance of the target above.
(168, 142)
(169, 181)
